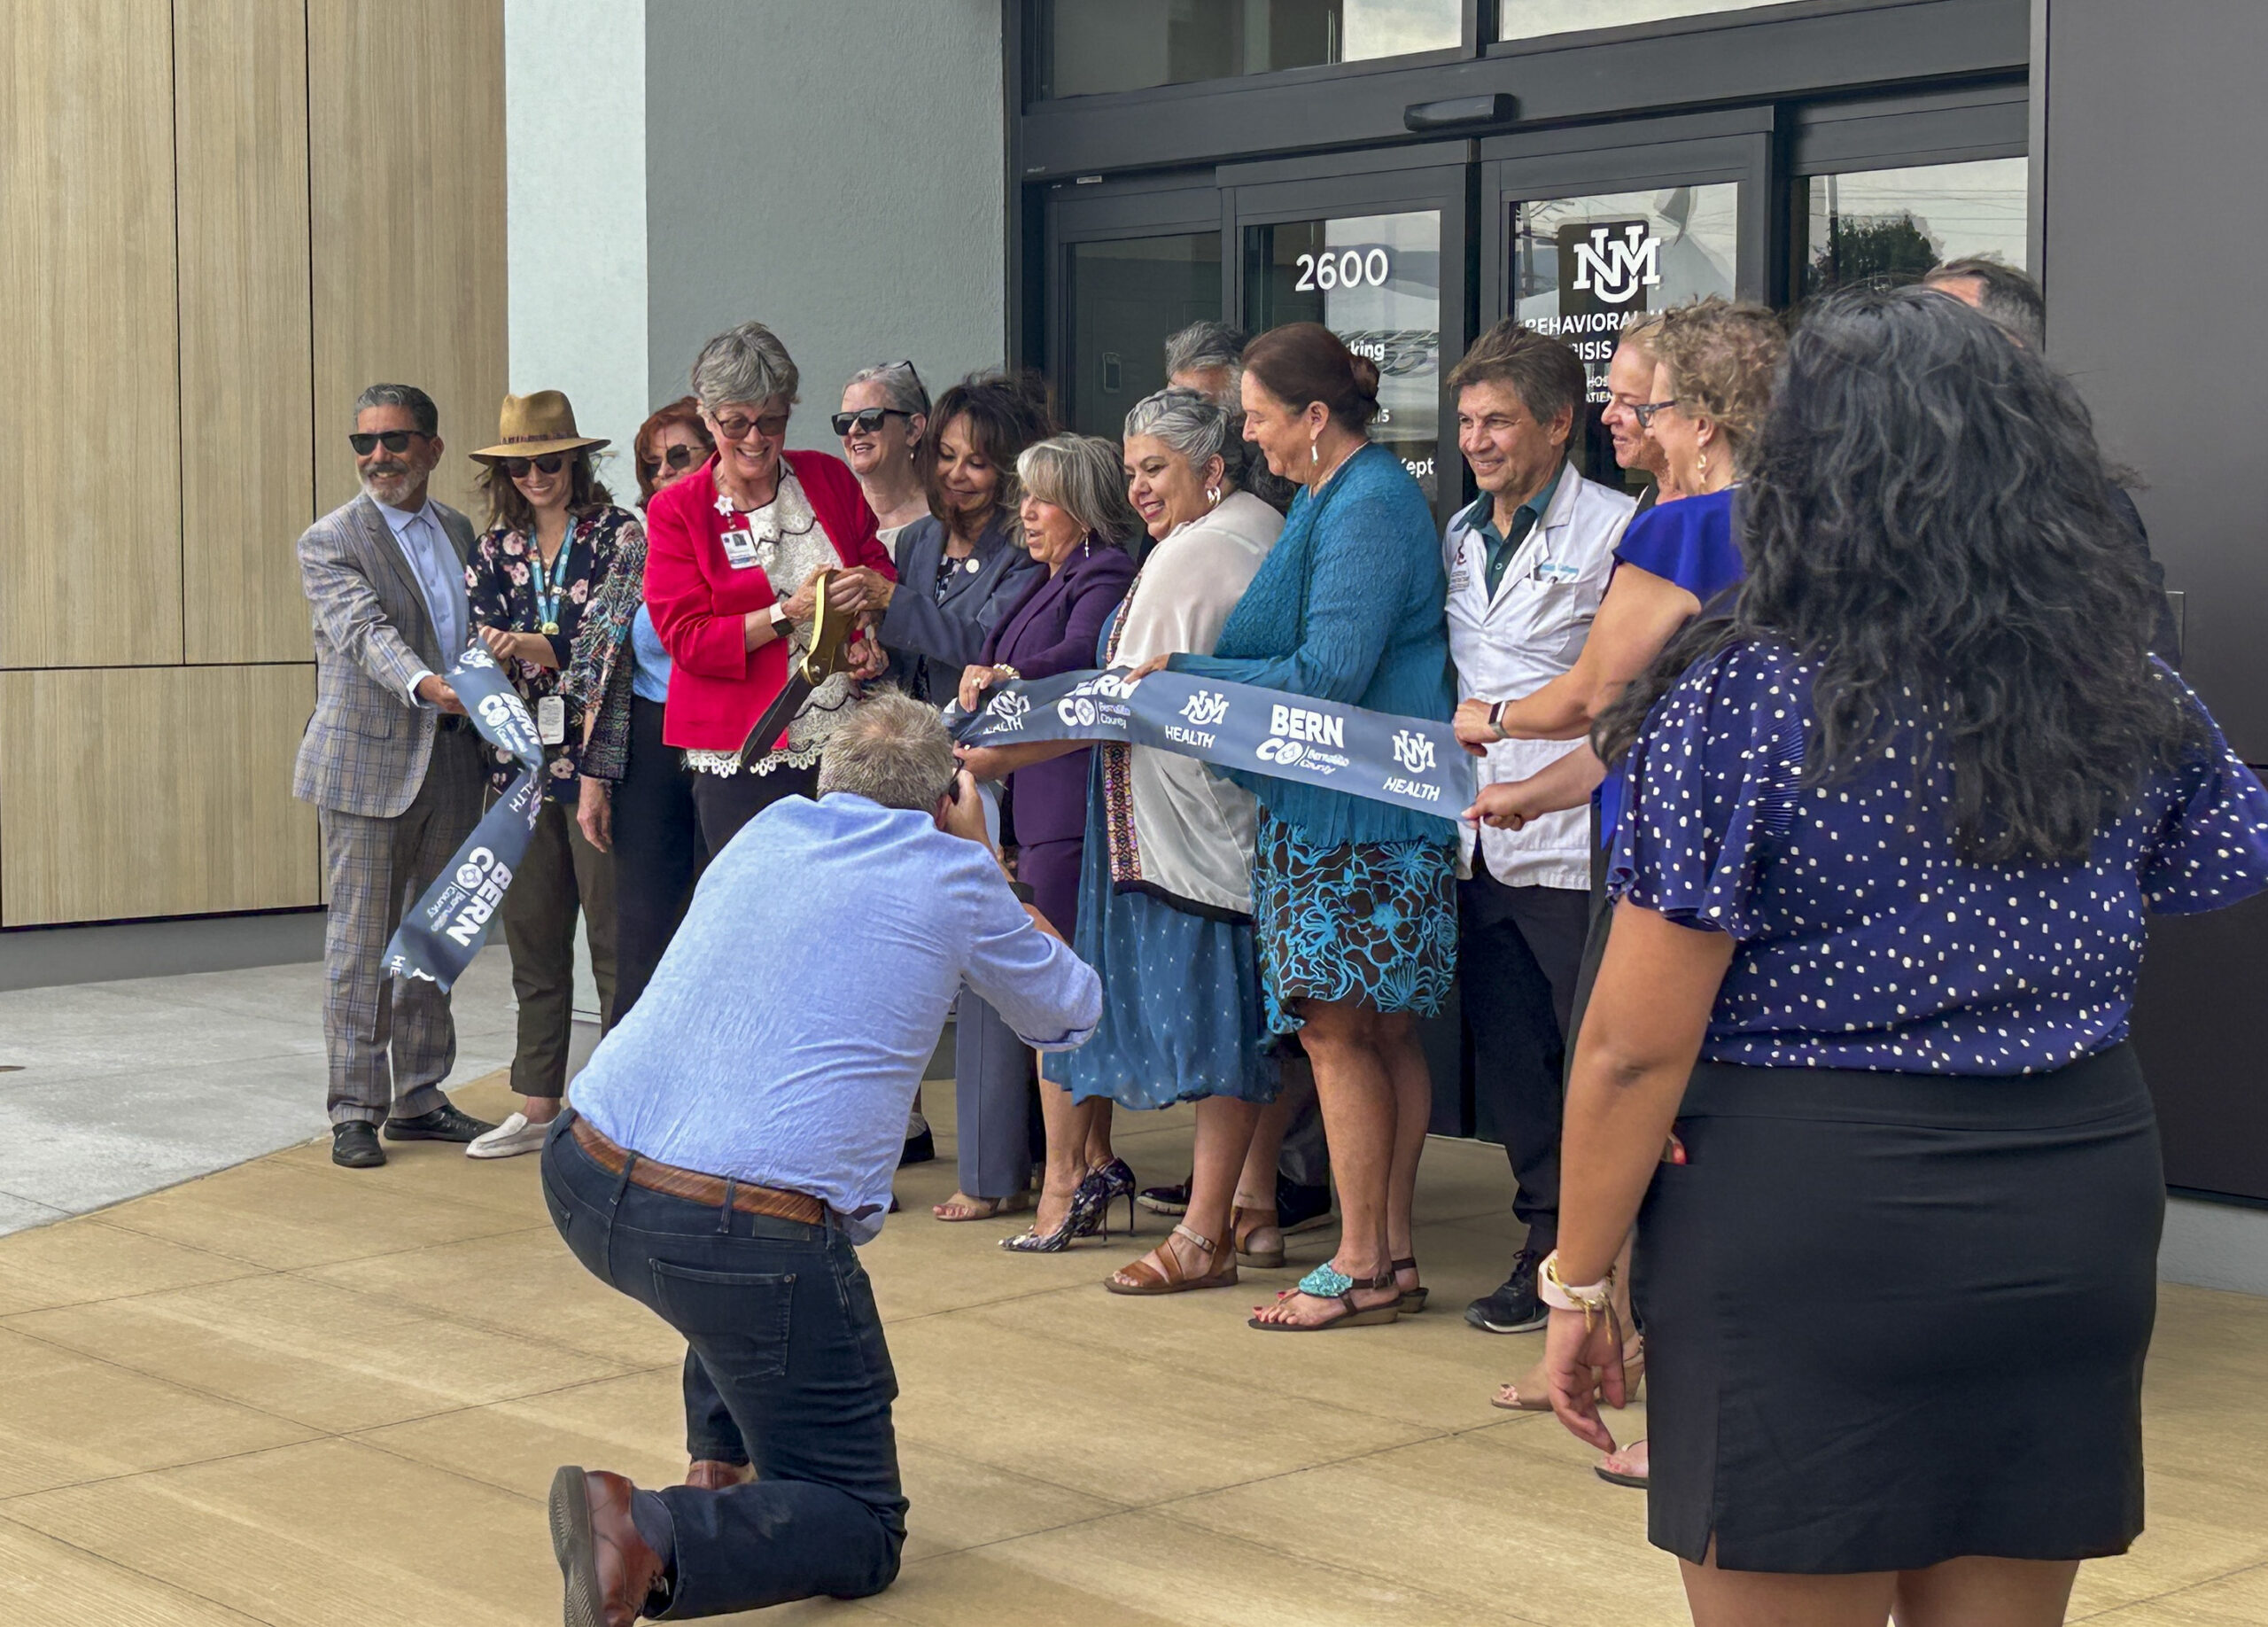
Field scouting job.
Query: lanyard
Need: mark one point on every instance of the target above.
(550, 584)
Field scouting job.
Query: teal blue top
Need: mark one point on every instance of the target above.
(1347, 607)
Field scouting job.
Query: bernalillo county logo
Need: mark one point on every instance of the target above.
(1314, 740)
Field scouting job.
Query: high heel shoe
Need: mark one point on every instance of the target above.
(1088, 1203)
(1118, 1180)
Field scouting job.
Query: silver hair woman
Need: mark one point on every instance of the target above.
(1166, 891)
(1078, 477)
(884, 412)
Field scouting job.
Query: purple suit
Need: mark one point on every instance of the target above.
(1056, 627)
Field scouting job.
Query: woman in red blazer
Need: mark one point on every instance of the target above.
(732, 557)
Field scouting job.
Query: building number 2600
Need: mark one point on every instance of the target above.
(1347, 268)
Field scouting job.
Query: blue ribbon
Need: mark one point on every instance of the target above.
(436, 940)
(1409, 762)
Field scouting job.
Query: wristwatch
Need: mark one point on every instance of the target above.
(781, 621)
(1023, 889)
(1496, 719)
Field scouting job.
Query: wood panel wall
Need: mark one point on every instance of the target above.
(409, 167)
(218, 220)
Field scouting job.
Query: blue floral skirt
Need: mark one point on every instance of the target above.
(1368, 921)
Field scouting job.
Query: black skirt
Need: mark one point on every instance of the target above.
(1896, 1318)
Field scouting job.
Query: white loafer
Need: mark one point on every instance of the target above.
(516, 1136)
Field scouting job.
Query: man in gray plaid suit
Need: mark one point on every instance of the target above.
(392, 766)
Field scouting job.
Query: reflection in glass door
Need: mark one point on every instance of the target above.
(1583, 269)
(1375, 280)
(1892, 225)
(1125, 296)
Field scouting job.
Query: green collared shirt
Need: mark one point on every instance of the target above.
(1525, 519)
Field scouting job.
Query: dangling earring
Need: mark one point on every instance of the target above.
(1087, 547)
(1705, 466)
(1314, 452)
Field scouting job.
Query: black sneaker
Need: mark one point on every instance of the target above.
(1165, 1200)
(445, 1122)
(1513, 1308)
(1302, 1209)
(921, 1148)
(354, 1145)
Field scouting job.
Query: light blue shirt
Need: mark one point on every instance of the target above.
(649, 661)
(786, 1030)
(439, 574)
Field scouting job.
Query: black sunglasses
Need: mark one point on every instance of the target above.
(550, 463)
(867, 420)
(682, 457)
(393, 440)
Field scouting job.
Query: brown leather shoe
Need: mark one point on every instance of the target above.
(715, 1475)
(610, 1571)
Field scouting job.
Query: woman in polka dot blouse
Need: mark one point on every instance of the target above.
(1856, 1061)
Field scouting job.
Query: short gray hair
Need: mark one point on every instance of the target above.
(1206, 345)
(421, 411)
(891, 748)
(1193, 424)
(746, 363)
(1085, 477)
(2004, 293)
(902, 387)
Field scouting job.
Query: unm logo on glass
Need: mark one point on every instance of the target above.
(1413, 751)
(1613, 272)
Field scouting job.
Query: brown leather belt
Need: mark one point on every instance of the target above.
(694, 1187)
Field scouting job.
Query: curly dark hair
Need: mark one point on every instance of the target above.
(1931, 524)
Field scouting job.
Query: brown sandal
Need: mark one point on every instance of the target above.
(1413, 1300)
(1262, 1259)
(1142, 1278)
(980, 1208)
(1326, 1281)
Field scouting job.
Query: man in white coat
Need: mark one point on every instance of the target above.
(1527, 566)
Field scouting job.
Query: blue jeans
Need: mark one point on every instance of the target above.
(783, 1319)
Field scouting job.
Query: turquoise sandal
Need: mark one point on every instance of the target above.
(1327, 1282)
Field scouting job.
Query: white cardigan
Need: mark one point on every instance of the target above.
(1193, 830)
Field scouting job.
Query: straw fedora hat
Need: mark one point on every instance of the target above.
(535, 425)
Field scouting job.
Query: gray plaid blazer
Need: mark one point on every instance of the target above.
(366, 748)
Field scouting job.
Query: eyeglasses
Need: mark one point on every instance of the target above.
(1644, 411)
(393, 440)
(771, 426)
(550, 463)
(867, 420)
(682, 457)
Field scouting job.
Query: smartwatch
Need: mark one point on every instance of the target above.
(781, 622)
(1023, 889)
(1496, 719)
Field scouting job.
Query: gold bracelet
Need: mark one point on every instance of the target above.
(1591, 1299)
(1009, 673)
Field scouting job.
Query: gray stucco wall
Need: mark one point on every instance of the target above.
(832, 168)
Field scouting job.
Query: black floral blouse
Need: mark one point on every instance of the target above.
(500, 592)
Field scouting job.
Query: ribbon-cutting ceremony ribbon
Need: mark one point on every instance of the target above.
(438, 939)
(1409, 762)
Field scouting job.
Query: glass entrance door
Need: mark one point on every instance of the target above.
(1131, 268)
(1379, 257)
(1586, 242)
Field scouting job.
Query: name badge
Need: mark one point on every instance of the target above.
(1556, 570)
(551, 719)
(739, 550)
(1461, 581)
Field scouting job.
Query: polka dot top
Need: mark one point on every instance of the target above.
(1863, 941)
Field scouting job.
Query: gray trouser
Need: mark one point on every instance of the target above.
(991, 1080)
(377, 869)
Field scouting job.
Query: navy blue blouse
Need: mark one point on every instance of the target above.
(1863, 941)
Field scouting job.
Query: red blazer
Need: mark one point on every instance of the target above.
(718, 686)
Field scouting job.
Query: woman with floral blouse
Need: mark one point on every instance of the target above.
(553, 536)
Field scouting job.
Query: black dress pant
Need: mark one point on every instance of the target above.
(728, 801)
(657, 853)
(1519, 952)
